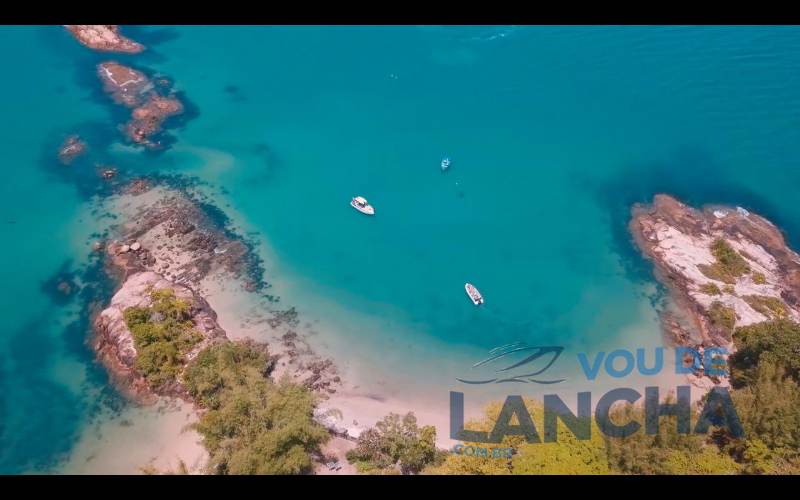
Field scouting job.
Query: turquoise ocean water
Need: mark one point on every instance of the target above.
(553, 133)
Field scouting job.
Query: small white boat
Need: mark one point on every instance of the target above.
(474, 294)
(360, 203)
(445, 164)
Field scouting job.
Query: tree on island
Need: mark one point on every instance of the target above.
(252, 425)
(396, 445)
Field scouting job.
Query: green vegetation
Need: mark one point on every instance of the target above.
(770, 412)
(162, 334)
(710, 289)
(775, 342)
(707, 461)
(667, 452)
(567, 455)
(460, 464)
(729, 289)
(252, 425)
(722, 317)
(729, 265)
(771, 307)
(765, 371)
(759, 279)
(396, 445)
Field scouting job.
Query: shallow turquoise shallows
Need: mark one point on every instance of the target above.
(553, 133)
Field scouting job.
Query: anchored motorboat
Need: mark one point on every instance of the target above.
(445, 164)
(474, 294)
(362, 205)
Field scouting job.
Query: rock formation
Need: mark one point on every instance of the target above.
(724, 267)
(114, 342)
(104, 37)
(150, 107)
(72, 147)
(167, 241)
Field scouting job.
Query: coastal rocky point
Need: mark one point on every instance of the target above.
(166, 241)
(104, 37)
(723, 266)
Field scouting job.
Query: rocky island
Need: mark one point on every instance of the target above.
(151, 103)
(159, 336)
(104, 37)
(72, 148)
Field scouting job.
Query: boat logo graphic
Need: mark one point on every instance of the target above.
(528, 353)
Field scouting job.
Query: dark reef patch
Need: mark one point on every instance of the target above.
(270, 161)
(62, 287)
(254, 265)
(235, 93)
(98, 288)
(46, 438)
(86, 171)
(40, 436)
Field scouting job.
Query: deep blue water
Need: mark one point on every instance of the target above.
(553, 132)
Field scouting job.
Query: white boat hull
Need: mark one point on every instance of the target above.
(473, 294)
(368, 210)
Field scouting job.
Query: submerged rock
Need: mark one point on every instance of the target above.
(72, 147)
(137, 186)
(108, 173)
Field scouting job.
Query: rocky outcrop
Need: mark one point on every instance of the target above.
(166, 240)
(148, 118)
(171, 235)
(114, 342)
(104, 37)
(758, 278)
(151, 103)
(724, 267)
(158, 248)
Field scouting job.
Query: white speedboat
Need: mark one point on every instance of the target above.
(445, 164)
(474, 295)
(362, 205)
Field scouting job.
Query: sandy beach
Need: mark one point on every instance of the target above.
(138, 438)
